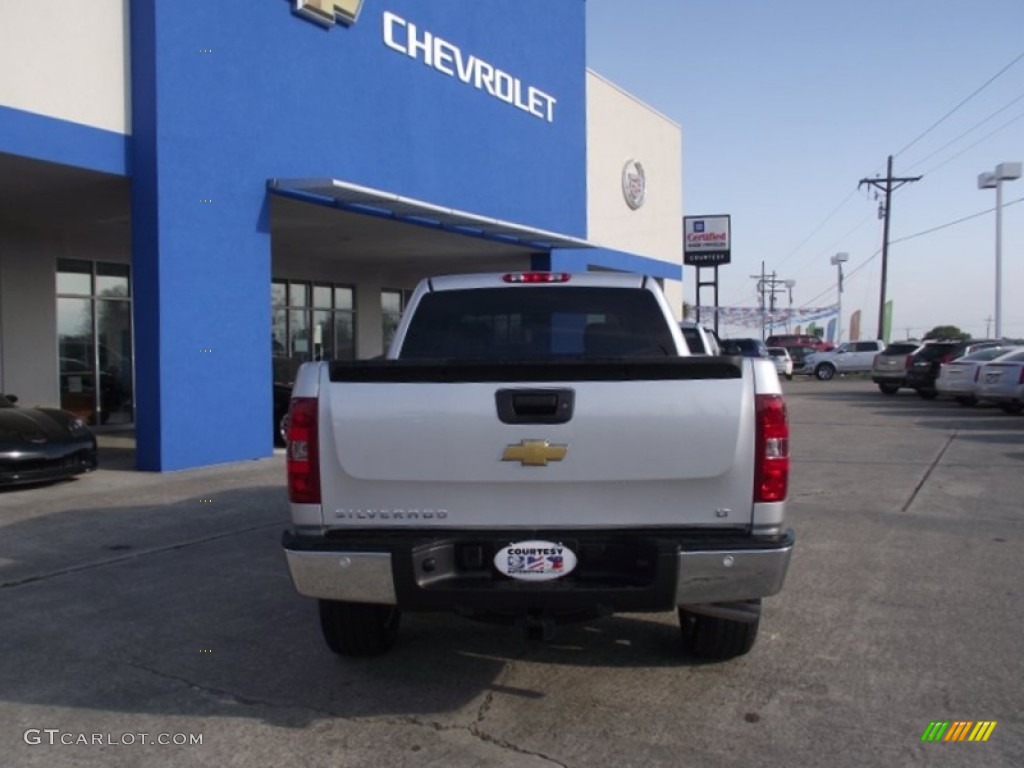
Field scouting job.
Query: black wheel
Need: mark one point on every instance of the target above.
(966, 399)
(714, 638)
(927, 394)
(1012, 407)
(359, 629)
(825, 371)
(889, 389)
(789, 377)
(281, 430)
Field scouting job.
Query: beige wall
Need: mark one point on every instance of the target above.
(66, 60)
(621, 128)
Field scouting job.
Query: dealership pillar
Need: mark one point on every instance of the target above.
(201, 266)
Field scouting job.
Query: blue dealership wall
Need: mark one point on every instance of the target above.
(228, 94)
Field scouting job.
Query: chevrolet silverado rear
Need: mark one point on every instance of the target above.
(538, 448)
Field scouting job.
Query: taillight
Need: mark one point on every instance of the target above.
(1020, 379)
(909, 362)
(977, 372)
(874, 360)
(303, 459)
(536, 277)
(946, 357)
(771, 473)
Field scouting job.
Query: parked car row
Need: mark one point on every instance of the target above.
(968, 371)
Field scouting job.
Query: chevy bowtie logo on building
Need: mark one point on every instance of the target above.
(326, 12)
(534, 453)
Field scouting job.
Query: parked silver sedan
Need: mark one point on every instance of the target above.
(1002, 382)
(959, 378)
(783, 362)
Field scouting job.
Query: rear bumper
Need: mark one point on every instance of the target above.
(921, 379)
(889, 377)
(617, 572)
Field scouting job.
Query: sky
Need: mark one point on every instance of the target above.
(784, 107)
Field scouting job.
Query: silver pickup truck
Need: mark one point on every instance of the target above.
(538, 448)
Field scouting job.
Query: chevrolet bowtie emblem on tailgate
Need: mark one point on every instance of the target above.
(324, 12)
(534, 453)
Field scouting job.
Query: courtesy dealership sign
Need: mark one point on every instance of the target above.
(706, 240)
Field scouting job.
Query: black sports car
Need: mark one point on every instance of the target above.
(42, 444)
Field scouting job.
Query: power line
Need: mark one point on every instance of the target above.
(978, 90)
(817, 228)
(973, 128)
(969, 147)
(955, 222)
(922, 233)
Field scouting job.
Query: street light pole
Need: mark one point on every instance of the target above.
(990, 180)
(838, 261)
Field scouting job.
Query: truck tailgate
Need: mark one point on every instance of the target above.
(673, 449)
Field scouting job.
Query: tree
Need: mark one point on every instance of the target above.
(946, 332)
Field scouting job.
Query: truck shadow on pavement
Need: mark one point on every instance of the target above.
(186, 609)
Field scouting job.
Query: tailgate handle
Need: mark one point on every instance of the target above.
(535, 406)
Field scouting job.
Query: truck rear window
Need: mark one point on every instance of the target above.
(534, 322)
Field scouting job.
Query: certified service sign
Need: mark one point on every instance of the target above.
(634, 184)
(535, 560)
(706, 240)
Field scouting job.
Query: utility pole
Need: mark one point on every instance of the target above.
(760, 293)
(772, 286)
(889, 181)
(988, 325)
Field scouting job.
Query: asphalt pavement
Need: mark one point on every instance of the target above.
(139, 608)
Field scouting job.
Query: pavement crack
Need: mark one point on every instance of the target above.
(135, 555)
(473, 730)
(931, 468)
(223, 693)
(510, 747)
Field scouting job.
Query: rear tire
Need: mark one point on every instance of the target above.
(825, 372)
(716, 639)
(927, 394)
(1012, 407)
(789, 377)
(359, 629)
(889, 389)
(966, 400)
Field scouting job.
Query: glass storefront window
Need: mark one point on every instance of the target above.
(322, 297)
(344, 298)
(298, 338)
(391, 305)
(94, 332)
(112, 280)
(344, 336)
(312, 321)
(74, 277)
(278, 318)
(298, 294)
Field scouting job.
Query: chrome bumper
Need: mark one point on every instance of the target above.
(703, 577)
(360, 577)
(725, 576)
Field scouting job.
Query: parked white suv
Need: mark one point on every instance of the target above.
(850, 357)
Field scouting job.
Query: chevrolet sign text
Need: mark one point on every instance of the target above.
(447, 58)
